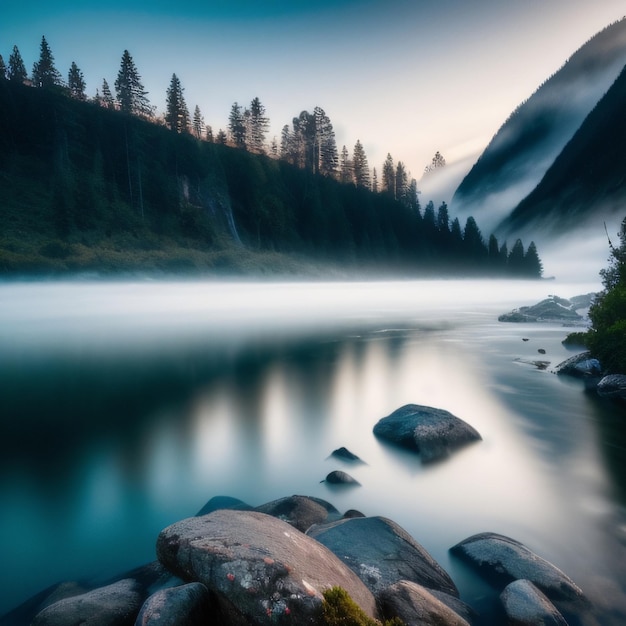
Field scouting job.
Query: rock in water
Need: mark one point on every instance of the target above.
(259, 568)
(414, 604)
(300, 511)
(345, 455)
(434, 433)
(525, 605)
(382, 553)
(340, 478)
(612, 386)
(502, 560)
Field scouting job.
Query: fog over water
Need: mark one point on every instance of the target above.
(127, 405)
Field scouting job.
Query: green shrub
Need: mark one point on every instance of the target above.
(339, 609)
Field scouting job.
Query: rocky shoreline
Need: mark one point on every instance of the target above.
(234, 564)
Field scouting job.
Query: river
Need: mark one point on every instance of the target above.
(126, 405)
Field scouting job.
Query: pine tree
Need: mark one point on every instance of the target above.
(107, 96)
(131, 96)
(515, 261)
(345, 167)
(237, 126)
(532, 263)
(176, 114)
(17, 69)
(402, 182)
(389, 176)
(198, 122)
(258, 125)
(443, 219)
(285, 143)
(209, 134)
(45, 74)
(328, 159)
(360, 167)
(76, 83)
(221, 137)
(374, 181)
(437, 162)
(3, 69)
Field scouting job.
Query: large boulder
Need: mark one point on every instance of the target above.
(381, 553)
(416, 606)
(612, 386)
(525, 605)
(260, 568)
(434, 433)
(300, 511)
(184, 605)
(114, 605)
(501, 560)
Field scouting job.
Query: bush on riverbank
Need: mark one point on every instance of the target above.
(607, 337)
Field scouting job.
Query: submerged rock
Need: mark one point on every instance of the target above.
(382, 553)
(223, 502)
(300, 511)
(345, 455)
(434, 433)
(502, 560)
(259, 568)
(416, 606)
(525, 605)
(338, 477)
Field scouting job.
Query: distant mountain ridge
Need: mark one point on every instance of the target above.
(530, 140)
(587, 178)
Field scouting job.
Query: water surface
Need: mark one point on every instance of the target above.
(127, 405)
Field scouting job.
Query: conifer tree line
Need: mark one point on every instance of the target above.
(309, 143)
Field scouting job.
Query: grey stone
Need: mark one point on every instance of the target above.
(434, 433)
(259, 568)
(525, 605)
(580, 365)
(338, 477)
(185, 605)
(223, 502)
(300, 511)
(502, 560)
(114, 605)
(612, 386)
(416, 606)
(345, 455)
(382, 553)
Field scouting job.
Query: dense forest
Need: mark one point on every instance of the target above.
(104, 184)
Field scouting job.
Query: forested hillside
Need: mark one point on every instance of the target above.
(86, 187)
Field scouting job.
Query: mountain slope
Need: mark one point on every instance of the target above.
(588, 178)
(528, 142)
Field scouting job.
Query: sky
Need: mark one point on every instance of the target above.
(404, 77)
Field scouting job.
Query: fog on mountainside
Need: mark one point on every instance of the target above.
(528, 142)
